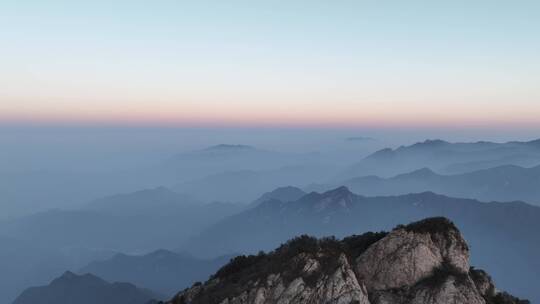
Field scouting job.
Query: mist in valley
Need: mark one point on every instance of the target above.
(110, 200)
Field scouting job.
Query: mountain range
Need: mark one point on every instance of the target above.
(247, 185)
(284, 194)
(129, 222)
(445, 157)
(182, 219)
(24, 264)
(195, 165)
(162, 271)
(503, 183)
(425, 262)
(339, 212)
(36, 248)
(85, 289)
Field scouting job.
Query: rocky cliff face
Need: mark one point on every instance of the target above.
(424, 262)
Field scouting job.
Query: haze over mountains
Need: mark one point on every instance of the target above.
(24, 264)
(44, 168)
(269, 152)
(225, 157)
(139, 222)
(85, 289)
(246, 186)
(210, 204)
(445, 157)
(340, 212)
(423, 262)
(127, 222)
(162, 271)
(502, 183)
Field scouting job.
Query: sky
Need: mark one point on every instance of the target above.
(416, 64)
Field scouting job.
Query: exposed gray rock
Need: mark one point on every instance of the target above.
(484, 283)
(338, 287)
(451, 290)
(426, 262)
(405, 257)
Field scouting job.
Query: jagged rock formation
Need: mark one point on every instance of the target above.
(339, 212)
(410, 254)
(424, 262)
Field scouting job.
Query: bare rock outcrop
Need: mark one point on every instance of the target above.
(412, 253)
(340, 287)
(449, 289)
(453, 289)
(312, 284)
(426, 262)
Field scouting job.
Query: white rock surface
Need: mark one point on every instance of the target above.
(404, 258)
(408, 266)
(340, 287)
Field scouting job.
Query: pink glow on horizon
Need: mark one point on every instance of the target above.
(332, 120)
(330, 110)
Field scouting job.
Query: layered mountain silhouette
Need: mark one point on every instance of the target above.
(84, 289)
(284, 194)
(23, 264)
(247, 185)
(130, 222)
(160, 199)
(503, 183)
(446, 157)
(499, 232)
(39, 247)
(162, 271)
(194, 165)
(423, 262)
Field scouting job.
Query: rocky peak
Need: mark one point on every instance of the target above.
(339, 198)
(71, 278)
(68, 275)
(412, 253)
(382, 154)
(420, 173)
(284, 194)
(423, 262)
(338, 193)
(430, 143)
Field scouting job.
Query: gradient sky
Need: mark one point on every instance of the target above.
(284, 63)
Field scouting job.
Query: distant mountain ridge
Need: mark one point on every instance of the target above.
(200, 164)
(340, 212)
(446, 157)
(503, 183)
(284, 194)
(142, 201)
(40, 246)
(162, 271)
(247, 185)
(127, 222)
(425, 262)
(84, 289)
(23, 263)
